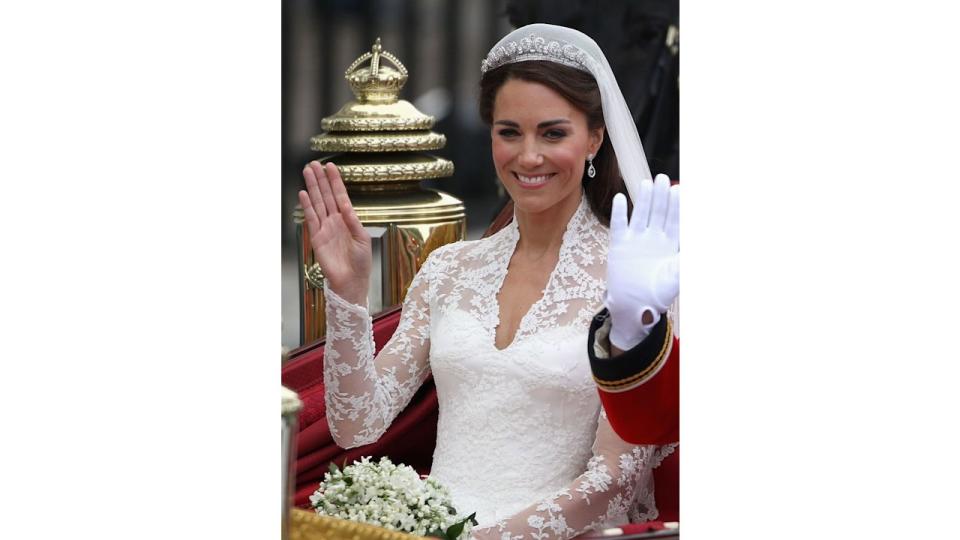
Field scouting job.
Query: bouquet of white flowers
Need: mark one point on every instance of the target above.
(390, 496)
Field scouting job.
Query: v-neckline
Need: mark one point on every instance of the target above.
(530, 310)
(505, 268)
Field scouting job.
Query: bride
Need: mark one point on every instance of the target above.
(502, 322)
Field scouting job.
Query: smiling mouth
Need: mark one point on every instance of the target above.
(532, 181)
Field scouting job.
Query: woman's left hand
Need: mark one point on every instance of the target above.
(643, 261)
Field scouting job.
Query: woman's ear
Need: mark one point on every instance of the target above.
(596, 139)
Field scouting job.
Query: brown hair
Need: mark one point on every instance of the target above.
(580, 89)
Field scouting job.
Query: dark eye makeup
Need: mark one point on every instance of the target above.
(552, 134)
(555, 134)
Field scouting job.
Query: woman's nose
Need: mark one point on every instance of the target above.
(530, 156)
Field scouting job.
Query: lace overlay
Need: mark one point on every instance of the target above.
(521, 438)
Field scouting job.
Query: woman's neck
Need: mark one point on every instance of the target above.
(542, 233)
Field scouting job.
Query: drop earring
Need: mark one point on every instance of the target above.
(591, 171)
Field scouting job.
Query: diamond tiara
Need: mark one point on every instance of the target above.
(537, 48)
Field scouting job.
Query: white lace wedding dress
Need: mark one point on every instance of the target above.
(521, 439)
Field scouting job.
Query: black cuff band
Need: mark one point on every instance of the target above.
(632, 367)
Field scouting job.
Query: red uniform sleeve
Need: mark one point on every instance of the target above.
(640, 388)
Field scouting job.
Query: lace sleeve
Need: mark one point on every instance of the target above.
(364, 394)
(616, 487)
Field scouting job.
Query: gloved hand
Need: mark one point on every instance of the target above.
(642, 262)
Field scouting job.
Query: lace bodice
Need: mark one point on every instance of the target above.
(521, 439)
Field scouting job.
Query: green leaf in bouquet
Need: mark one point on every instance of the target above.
(454, 531)
(436, 533)
(332, 468)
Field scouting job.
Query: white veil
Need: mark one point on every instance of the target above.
(575, 49)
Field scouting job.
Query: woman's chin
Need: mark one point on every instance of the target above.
(534, 203)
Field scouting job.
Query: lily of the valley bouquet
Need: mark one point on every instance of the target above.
(390, 496)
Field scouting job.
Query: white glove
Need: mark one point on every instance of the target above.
(642, 262)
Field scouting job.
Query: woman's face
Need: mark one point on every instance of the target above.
(540, 145)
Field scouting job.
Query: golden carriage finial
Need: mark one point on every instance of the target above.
(376, 83)
(380, 144)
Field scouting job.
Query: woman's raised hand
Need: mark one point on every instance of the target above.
(340, 244)
(642, 262)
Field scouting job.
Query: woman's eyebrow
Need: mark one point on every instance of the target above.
(549, 123)
(545, 123)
